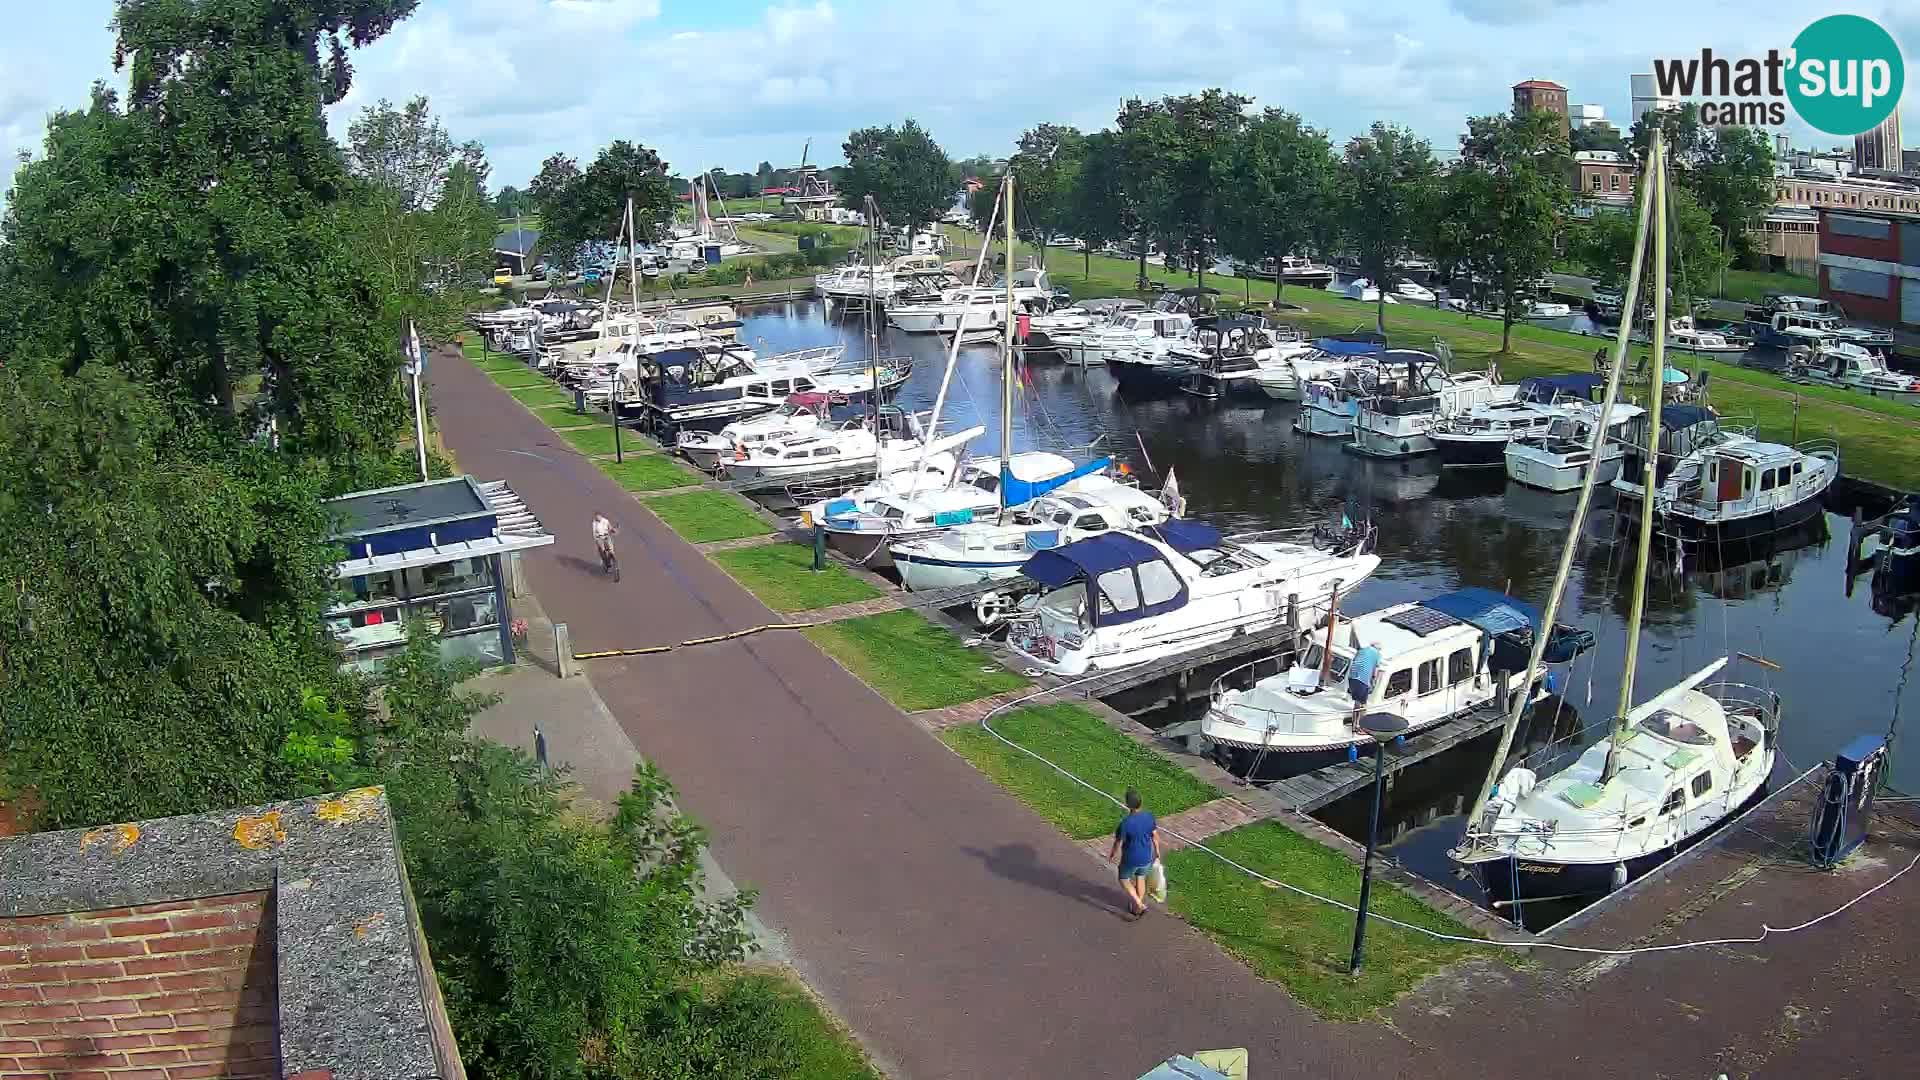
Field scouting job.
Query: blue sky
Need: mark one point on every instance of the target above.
(729, 82)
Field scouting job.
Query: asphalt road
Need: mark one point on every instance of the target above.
(955, 932)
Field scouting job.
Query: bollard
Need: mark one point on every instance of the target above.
(563, 649)
(579, 402)
(819, 547)
(1293, 613)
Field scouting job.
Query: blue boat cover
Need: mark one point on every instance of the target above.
(1017, 492)
(841, 508)
(1103, 554)
(1493, 612)
(1547, 387)
(1184, 536)
(1042, 539)
(1351, 344)
(1675, 417)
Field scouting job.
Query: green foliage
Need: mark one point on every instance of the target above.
(1384, 178)
(1100, 212)
(321, 749)
(904, 170)
(1598, 136)
(580, 207)
(754, 1027)
(1182, 151)
(1727, 170)
(1282, 181)
(1510, 194)
(420, 212)
(786, 264)
(1046, 173)
(512, 202)
(1603, 245)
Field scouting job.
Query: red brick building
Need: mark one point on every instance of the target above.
(276, 941)
(1602, 172)
(1541, 94)
(1870, 264)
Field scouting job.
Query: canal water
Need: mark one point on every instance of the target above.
(1843, 666)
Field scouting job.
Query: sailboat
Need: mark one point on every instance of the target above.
(1672, 767)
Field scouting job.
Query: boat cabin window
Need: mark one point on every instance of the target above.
(1674, 799)
(825, 451)
(1401, 683)
(758, 390)
(1430, 676)
(1118, 593)
(1093, 523)
(1158, 583)
(1460, 666)
(1317, 654)
(987, 482)
(1062, 517)
(1769, 479)
(1672, 726)
(1796, 467)
(1702, 784)
(801, 386)
(782, 387)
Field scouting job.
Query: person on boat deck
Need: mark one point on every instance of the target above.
(1360, 673)
(1136, 843)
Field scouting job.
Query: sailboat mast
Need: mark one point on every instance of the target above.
(953, 351)
(873, 334)
(1603, 425)
(1657, 170)
(1006, 372)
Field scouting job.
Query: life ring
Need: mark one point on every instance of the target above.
(992, 608)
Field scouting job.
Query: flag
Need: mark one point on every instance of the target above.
(1170, 496)
(416, 360)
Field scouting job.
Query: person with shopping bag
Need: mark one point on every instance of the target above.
(1136, 845)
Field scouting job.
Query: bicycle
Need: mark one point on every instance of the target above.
(609, 564)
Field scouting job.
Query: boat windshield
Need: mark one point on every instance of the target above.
(1672, 726)
(1227, 559)
(1317, 654)
(1067, 603)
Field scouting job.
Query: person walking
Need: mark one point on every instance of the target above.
(1136, 844)
(603, 530)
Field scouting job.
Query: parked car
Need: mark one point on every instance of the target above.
(503, 275)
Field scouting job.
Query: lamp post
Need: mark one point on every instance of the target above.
(1382, 726)
(1722, 234)
(613, 406)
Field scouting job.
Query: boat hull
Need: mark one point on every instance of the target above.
(1691, 530)
(1548, 476)
(1470, 452)
(1390, 444)
(1250, 763)
(921, 573)
(1312, 421)
(1135, 376)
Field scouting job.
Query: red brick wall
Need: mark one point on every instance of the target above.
(1860, 247)
(1884, 310)
(175, 991)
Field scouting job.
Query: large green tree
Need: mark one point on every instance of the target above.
(1728, 170)
(1185, 147)
(580, 207)
(1384, 184)
(1603, 245)
(903, 169)
(1046, 171)
(1100, 212)
(423, 214)
(1513, 171)
(1281, 179)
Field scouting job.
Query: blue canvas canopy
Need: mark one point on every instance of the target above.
(1098, 557)
(1493, 612)
(1676, 417)
(1184, 536)
(1017, 492)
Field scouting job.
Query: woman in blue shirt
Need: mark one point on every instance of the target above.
(1136, 843)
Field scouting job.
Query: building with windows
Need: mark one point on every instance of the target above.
(1582, 117)
(1647, 97)
(1878, 148)
(1812, 191)
(440, 552)
(1870, 264)
(1603, 172)
(1539, 94)
(1790, 238)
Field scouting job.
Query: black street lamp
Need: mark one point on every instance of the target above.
(1383, 727)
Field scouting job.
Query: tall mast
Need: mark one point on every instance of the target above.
(873, 334)
(1657, 169)
(953, 352)
(1603, 425)
(1006, 371)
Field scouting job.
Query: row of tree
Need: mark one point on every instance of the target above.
(1205, 175)
(202, 299)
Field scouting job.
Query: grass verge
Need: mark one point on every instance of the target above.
(701, 517)
(593, 433)
(539, 395)
(1304, 944)
(790, 1033)
(911, 662)
(1754, 285)
(647, 472)
(782, 576)
(1084, 745)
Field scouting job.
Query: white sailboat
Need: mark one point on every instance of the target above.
(1672, 768)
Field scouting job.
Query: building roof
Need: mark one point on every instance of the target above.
(1538, 84)
(519, 242)
(409, 506)
(267, 941)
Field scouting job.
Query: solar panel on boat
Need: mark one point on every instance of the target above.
(1421, 620)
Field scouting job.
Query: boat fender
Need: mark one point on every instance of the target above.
(1619, 876)
(991, 608)
(1353, 752)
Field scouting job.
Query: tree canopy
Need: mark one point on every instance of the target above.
(1511, 188)
(1728, 170)
(1384, 179)
(1281, 175)
(1046, 172)
(580, 207)
(902, 168)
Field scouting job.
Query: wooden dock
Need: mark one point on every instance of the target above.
(1310, 791)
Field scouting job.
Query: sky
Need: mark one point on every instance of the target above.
(728, 83)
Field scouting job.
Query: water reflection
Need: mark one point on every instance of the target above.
(1242, 466)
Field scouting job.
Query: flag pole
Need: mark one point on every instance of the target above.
(414, 363)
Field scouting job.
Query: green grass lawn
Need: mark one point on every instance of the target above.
(911, 662)
(1084, 745)
(1301, 943)
(1754, 285)
(520, 377)
(536, 395)
(807, 1042)
(592, 432)
(648, 472)
(782, 575)
(702, 517)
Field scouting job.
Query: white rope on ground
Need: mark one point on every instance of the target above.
(1765, 929)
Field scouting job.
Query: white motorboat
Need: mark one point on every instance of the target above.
(1361, 289)
(850, 447)
(1735, 488)
(1479, 436)
(1683, 335)
(1052, 332)
(684, 389)
(1432, 661)
(1414, 391)
(1560, 458)
(1832, 362)
(1419, 294)
(1328, 405)
(955, 309)
(867, 535)
(993, 550)
(1151, 331)
(1286, 379)
(1127, 597)
(1680, 763)
(1548, 309)
(801, 414)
